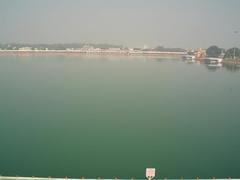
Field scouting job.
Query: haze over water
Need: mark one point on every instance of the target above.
(113, 117)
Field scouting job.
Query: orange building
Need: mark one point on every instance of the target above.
(200, 53)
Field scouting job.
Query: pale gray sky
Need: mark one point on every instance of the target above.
(172, 23)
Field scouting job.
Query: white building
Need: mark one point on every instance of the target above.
(25, 49)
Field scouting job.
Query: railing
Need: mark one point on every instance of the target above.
(81, 178)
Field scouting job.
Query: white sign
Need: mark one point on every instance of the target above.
(150, 172)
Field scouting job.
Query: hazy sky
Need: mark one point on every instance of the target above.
(172, 23)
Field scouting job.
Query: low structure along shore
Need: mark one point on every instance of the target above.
(93, 52)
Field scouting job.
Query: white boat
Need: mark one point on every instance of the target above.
(211, 60)
(188, 57)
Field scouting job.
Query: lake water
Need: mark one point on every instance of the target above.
(113, 117)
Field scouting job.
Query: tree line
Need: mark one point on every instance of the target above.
(215, 51)
(16, 46)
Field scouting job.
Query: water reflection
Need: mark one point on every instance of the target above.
(192, 61)
(215, 66)
(232, 67)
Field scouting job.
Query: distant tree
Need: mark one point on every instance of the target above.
(159, 48)
(163, 49)
(105, 46)
(230, 53)
(214, 51)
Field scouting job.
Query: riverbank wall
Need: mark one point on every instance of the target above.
(91, 53)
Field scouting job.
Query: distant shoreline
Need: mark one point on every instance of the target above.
(89, 53)
(104, 53)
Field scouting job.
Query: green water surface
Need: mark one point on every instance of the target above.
(113, 117)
